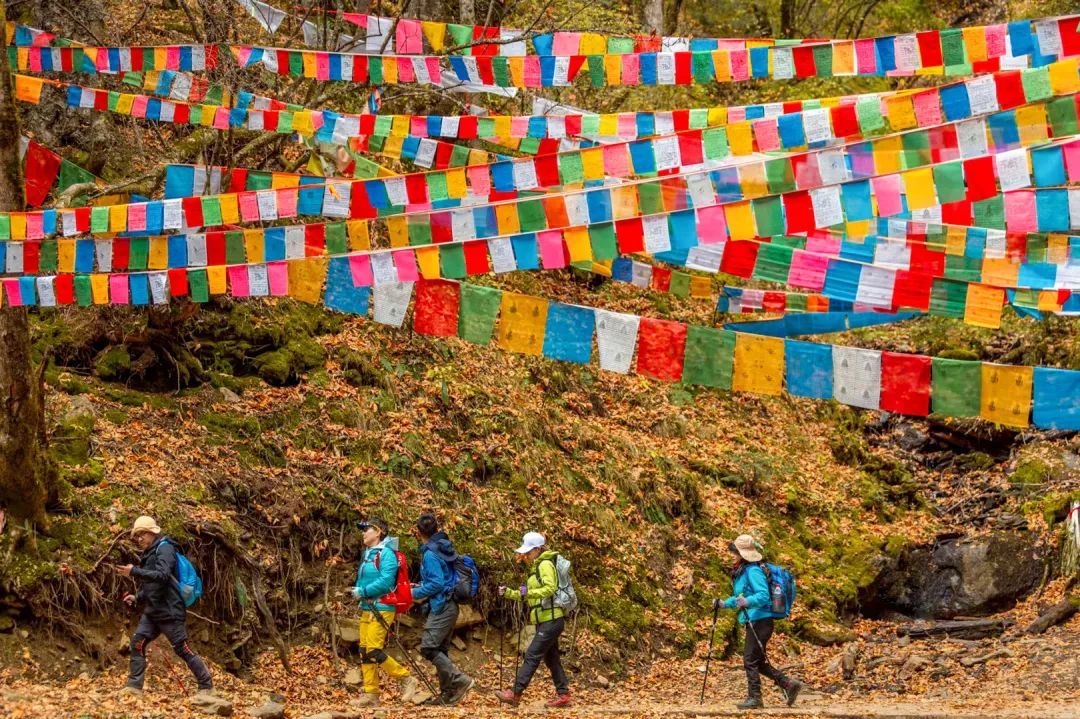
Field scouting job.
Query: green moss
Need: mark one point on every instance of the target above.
(231, 425)
(133, 398)
(113, 363)
(116, 416)
(275, 367)
(70, 441)
(959, 354)
(974, 461)
(1054, 508)
(1031, 473)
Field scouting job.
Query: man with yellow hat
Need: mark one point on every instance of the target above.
(164, 609)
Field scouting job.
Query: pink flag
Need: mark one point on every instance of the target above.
(119, 289)
(405, 262)
(278, 277)
(479, 180)
(360, 265)
(238, 280)
(711, 225)
(767, 134)
(11, 288)
(865, 56)
(740, 64)
(807, 270)
(409, 38)
(887, 192)
(552, 255)
(823, 244)
(631, 69)
(136, 219)
(1020, 212)
(616, 160)
(406, 71)
(286, 201)
(249, 207)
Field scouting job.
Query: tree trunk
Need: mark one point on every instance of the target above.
(653, 16)
(26, 474)
(467, 12)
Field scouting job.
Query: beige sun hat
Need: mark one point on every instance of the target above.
(747, 548)
(145, 524)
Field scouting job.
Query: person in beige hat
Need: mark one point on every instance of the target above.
(752, 601)
(164, 611)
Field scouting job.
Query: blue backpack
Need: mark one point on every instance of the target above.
(781, 584)
(187, 582)
(465, 580)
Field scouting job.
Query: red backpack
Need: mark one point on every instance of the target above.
(401, 598)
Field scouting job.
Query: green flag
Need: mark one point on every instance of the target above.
(708, 358)
(479, 308)
(956, 387)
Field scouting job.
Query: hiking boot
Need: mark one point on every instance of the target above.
(791, 690)
(508, 696)
(456, 694)
(560, 700)
(368, 699)
(750, 703)
(131, 692)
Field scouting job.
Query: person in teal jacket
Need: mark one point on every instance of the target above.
(750, 598)
(375, 578)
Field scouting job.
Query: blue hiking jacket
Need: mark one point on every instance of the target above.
(373, 583)
(437, 577)
(750, 583)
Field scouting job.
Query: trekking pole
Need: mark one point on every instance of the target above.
(408, 657)
(708, 657)
(502, 642)
(517, 647)
(753, 631)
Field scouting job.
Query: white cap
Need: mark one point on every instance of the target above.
(531, 541)
(145, 524)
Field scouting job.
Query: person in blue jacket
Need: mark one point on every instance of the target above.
(375, 578)
(437, 581)
(751, 600)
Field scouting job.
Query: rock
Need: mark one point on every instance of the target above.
(823, 635)
(468, 617)
(911, 438)
(269, 710)
(459, 644)
(204, 635)
(276, 698)
(849, 659)
(354, 676)
(407, 620)
(602, 681)
(348, 629)
(335, 715)
(228, 396)
(527, 634)
(79, 407)
(903, 641)
(212, 704)
(969, 576)
(6, 623)
(913, 664)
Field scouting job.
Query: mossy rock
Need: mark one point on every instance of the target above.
(275, 367)
(974, 461)
(114, 363)
(70, 442)
(1030, 473)
(88, 474)
(823, 634)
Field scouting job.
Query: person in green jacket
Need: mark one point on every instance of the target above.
(538, 592)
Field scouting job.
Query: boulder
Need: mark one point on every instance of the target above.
(354, 676)
(212, 704)
(468, 616)
(348, 629)
(79, 407)
(823, 635)
(957, 576)
(269, 710)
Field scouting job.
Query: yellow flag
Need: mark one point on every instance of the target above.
(99, 288)
(517, 71)
(254, 246)
(717, 116)
(759, 364)
(613, 69)
(887, 154)
(975, 42)
(18, 225)
(1000, 272)
(740, 220)
(65, 256)
(398, 227)
(117, 218)
(435, 32)
(700, 287)
(400, 126)
(522, 320)
(1006, 394)
(722, 65)
(624, 202)
(1031, 122)
(507, 218)
(919, 187)
(308, 59)
(1048, 301)
(577, 242)
(741, 138)
(843, 59)
(1064, 76)
(753, 181)
(279, 180)
(124, 103)
(592, 163)
(215, 279)
(503, 125)
(427, 259)
(359, 238)
(230, 210)
(28, 89)
(983, 306)
(306, 279)
(457, 185)
(609, 122)
(900, 111)
(593, 44)
(158, 258)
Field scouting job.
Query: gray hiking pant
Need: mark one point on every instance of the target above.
(435, 645)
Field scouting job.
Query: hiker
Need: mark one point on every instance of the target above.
(437, 582)
(164, 609)
(537, 592)
(752, 602)
(375, 578)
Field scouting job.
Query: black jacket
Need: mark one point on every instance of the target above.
(157, 578)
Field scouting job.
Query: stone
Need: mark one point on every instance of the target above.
(6, 623)
(269, 710)
(79, 407)
(212, 704)
(527, 634)
(348, 629)
(228, 396)
(603, 682)
(957, 576)
(335, 715)
(354, 676)
(823, 635)
(459, 644)
(468, 616)
(913, 664)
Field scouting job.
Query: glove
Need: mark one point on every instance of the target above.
(741, 603)
(524, 591)
(717, 604)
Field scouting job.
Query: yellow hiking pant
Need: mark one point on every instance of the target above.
(373, 654)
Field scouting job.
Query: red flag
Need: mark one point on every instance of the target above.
(661, 344)
(905, 383)
(436, 309)
(42, 167)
